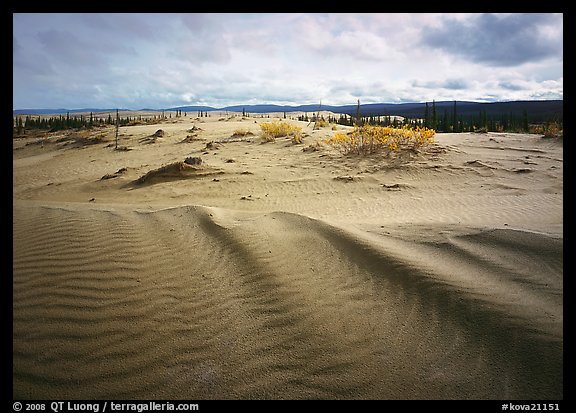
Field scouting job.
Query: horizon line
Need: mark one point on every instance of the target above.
(209, 107)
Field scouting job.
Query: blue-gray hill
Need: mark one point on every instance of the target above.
(537, 110)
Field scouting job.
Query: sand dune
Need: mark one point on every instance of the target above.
(288, 274)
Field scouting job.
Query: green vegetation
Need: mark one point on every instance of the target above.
(55, 123)
(455, 117)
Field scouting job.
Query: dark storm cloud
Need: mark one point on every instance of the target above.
(507, 40)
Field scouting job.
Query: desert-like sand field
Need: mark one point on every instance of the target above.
(285, 271)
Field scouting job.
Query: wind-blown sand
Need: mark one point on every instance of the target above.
(269, 272)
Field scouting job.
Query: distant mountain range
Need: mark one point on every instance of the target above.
(538, 110)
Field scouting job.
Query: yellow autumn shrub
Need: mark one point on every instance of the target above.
(278, 129)
(369, 139)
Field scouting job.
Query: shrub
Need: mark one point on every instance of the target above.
(321, 123)
(549, 130)
(368, 139)
(278, 129)
(297, 138)
(553, 130)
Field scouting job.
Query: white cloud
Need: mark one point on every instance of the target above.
(162, 60)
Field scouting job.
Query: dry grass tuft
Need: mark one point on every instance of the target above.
(241, 133)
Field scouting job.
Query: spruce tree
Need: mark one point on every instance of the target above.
(434, 119)
(454, 120)
(117, 125)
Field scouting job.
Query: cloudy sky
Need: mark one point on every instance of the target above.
(164, 60)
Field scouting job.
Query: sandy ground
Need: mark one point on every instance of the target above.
(270, 272)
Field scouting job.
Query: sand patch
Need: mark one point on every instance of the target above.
(269, 272)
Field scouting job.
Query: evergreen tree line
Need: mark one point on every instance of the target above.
(446, 121)
(449, 122)
(452, 121)
(60, 122)
(342, 119)
(348, 120)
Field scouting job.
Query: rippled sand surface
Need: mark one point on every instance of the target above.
(270, 272)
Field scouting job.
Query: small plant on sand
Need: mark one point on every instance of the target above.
(364, 140)
(296, 138)
(313, 147)
(279, 129)
(240, 133)
(320, 123)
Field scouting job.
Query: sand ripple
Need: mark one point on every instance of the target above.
(194, 302)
